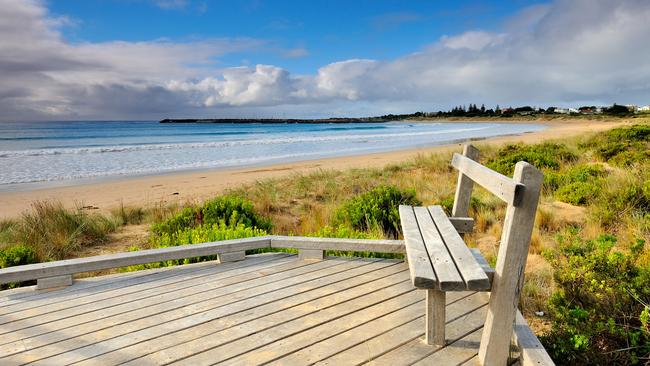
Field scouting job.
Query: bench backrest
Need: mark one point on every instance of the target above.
(521, 193)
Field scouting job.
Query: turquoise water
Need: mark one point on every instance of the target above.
(68, 151)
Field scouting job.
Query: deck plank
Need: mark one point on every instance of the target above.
(222, 284)
(95, 285)
(132, 289)
(184, 311)
(364, 343)
(271, 308)
(249, 317)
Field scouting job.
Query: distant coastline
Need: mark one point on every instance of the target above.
(278, 120)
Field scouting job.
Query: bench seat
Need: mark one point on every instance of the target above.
(437, 255)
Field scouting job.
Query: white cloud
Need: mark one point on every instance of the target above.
(564, 52)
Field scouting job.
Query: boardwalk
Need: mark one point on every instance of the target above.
(270, 308)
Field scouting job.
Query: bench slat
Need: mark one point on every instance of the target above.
(443, 265)
(474, 276)
(420, 267)
(501, 186)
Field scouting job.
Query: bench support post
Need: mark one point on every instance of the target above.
(509, 271)
(464, 186)
(435, 317)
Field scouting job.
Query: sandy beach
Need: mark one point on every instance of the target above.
(199, 185)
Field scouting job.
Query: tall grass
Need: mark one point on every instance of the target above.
(54, 232)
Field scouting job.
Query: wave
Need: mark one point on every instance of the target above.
(221, 144)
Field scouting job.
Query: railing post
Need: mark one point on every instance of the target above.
(232, 256)
(464, 186)
(311, 254)
(509, 271)
(53, 282)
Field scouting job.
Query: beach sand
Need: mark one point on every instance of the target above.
(199, 185)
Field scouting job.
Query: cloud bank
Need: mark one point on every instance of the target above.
(565, 52)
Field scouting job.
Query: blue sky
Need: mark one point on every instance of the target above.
(153, 59)
(318, 32)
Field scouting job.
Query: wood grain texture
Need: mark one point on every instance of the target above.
(498, 184)
(509, 271)
(464, 186)
(443, 265)
(471, 272)
(420, 267)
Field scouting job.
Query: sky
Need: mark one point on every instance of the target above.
(154, 59)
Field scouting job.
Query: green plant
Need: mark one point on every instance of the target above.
(545, 155)
(195, 235)
(578, 185)
(54, 232)
(599, 312)
(16, 255)
(622, 146)
(232, 210)
(377, 207)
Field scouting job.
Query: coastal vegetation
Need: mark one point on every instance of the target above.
(586, 288)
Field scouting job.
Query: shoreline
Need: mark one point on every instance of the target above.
(180, 187)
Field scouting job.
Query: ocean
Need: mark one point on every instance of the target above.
(64, 152)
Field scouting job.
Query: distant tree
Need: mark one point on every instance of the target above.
(482, 108)
(617, 110)
(550, 110)
(497, 110)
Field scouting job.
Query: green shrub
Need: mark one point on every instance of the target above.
(626, 193)
(622, 146)
(579, 185)
(196, 235)
(379, 207)
(17, 255)
(545, 155)
(599, 311)
(232, 210)
(577, 193)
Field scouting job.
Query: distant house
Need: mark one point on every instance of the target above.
(632, 107)
(573, 110)
(561, 110)
(644, 109)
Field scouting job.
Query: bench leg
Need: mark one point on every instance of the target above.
(435, 317)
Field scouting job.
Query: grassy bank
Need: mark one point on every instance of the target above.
(586, 289)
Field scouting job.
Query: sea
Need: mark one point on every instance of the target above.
(38, 154)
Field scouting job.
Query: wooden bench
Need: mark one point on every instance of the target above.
(440, 261)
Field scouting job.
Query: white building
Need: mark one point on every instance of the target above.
(644, 109)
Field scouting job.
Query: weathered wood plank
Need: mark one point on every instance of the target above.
(511, 261)
(326, 292)
(464, 225)
(420, 266)
(126, 299)
(166, 306)
(96, 263)
(373, 351)
(135, 281)
(489, 271)
(473, 275)
(498, 184)
(458, 326)
(289, 337)
(455, 353)
(157, 323)
(360, 245)
(532, 352)
(443, 265)
(464, 186)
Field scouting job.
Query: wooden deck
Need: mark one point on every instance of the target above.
(270, 308)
